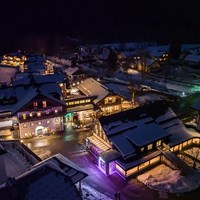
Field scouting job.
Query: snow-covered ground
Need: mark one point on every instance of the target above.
(163, 178)
(89, 193)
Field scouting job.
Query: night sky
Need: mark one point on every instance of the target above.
(37, 24)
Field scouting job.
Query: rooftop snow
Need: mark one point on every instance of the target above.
(192, 58)
(90, 87)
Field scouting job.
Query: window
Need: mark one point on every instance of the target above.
(44, 104)
(150, 146)
(35, 104)
(39, 123)
(32, 124)
(56, 111)
(57, 119)
(24, 116)
(48, 121)
(38, 114)
(142, 149)
(24, 125)
(47, 112)
(31, 114)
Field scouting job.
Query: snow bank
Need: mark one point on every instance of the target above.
(163, 178)
(89, 193)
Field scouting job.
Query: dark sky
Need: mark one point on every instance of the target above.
(38, 21)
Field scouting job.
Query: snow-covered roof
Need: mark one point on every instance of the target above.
(90, 87)
(44, 182)
(121, 90)
(144, 125)
(192, 58)
(156, 53)
(149, 62)
(15, 160)
(159, 48)
(7, 73)
(71, 70)
(68, 167)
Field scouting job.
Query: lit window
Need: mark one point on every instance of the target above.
(24, 116)
(38, 114)
(47, 112)
(48, 121)
(39, 123)
(44, 104)
(31, 114)
(56, 111)
(142, 149)
(32, 124)
(24, 125)
(56, 119)
(150, 146)
(35, 104)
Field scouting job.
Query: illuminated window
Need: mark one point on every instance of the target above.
(31, 114)
(150, 146)
(32, 124)
(87, 100)
(56, 111)
(56, 119)
(158, 143)
(110, 100)
(38, 114)
(47, 112)
(39, 123)
(48, 121)
(142, 149)
(35, 104)
(24, 116)
(44, 104)
(24, 125)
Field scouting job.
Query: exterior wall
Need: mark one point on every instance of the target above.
(111, 104)
(28, 129)
(139, 168)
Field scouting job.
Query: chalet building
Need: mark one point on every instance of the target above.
(196, 106)
(160, 56)
(148, 65)
(132, 141)
(25, 176)
(80, 109)
(109, 98)
(28, 111)
(16, 59)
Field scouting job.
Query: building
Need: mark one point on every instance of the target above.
(25, 176)
(109, 98)
(132, 141)
(29, 110)
(15, 159)
(16, 59)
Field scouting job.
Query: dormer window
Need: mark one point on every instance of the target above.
(35, 104)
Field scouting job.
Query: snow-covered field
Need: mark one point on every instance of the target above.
(163, 178)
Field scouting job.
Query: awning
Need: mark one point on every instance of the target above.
(94, 140)
(109, 155)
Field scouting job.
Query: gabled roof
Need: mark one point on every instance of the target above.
(90, 87)
(68, 167)
(121, 90)
(42, 182)
(192, 58)
(30, 96)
